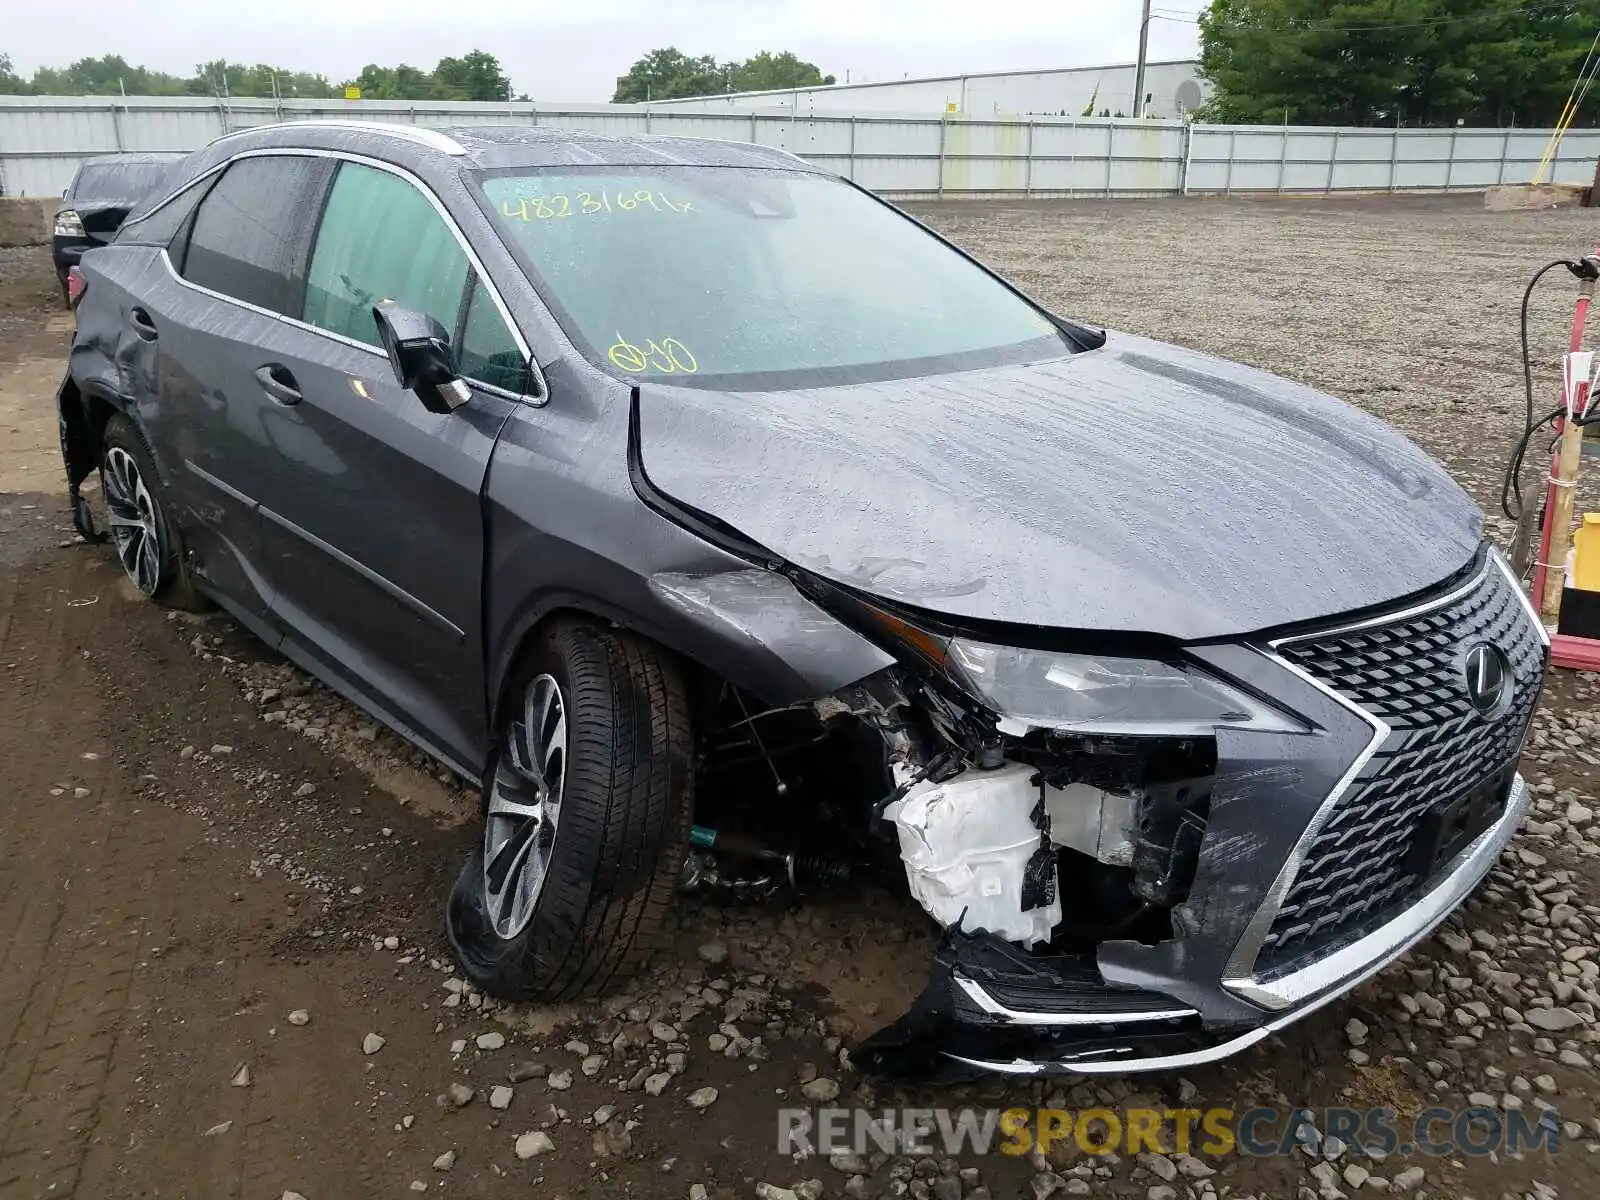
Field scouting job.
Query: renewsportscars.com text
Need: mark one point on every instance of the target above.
(1257, 1132)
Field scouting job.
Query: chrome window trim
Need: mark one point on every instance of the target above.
(1239, 975)
(434, 139)
(533, 400)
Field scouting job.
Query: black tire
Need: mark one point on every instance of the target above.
(66, 291)
(623, 828)
(164, 576)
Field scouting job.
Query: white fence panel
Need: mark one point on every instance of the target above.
(43, 139)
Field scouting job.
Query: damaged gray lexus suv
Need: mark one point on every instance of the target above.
(727, 525)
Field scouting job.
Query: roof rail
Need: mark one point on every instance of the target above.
(421, 135)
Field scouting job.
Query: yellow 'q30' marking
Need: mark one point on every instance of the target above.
(669, 356)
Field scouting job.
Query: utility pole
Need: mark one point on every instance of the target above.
(1144, 53)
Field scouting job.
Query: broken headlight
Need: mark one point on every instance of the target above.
(1093, 693)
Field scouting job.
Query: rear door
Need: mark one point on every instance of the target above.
(240, 268)
(237, 267)
(372, 524)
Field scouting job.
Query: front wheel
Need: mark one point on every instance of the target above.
(587, 803)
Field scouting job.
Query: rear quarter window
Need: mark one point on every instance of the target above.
(162, 225)
(252, 233)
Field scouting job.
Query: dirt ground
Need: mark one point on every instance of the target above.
(199, 846)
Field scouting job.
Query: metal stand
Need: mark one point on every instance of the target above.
(1555, 541)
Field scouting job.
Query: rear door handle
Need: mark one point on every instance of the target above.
(277, 381)
(143, 327)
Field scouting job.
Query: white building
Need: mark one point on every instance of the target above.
(1173, 88)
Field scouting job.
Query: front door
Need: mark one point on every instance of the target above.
(372, 525)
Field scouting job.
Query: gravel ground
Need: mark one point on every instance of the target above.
(28, 291)
(335, 842)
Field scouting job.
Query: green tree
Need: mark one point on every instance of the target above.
(11, 84)
(109, 75)
(768, 71)
(1383, 62)
(474, 76)
(669, 74)
(665, 74)
(222, 78)
(403, 82)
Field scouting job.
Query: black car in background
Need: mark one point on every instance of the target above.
(101, 194)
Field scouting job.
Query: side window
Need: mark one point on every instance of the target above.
(252, 234)
(487, 352)
(161, 227)
(381, 239)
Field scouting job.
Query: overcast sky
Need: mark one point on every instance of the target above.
(574, 50)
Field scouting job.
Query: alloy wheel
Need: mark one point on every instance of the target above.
(134, 529)
(525, 808)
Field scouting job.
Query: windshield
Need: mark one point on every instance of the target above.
(118, 181)
(736, 277)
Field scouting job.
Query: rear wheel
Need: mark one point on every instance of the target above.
(586, 820)
(142, 532)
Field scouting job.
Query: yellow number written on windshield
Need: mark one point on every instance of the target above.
(583, 204)
(669, 356)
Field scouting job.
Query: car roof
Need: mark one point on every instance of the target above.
(493, 146)
(147, 158)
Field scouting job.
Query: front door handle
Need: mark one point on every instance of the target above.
(143, 327)
(277, 381)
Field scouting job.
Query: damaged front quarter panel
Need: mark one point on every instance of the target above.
(787, 648)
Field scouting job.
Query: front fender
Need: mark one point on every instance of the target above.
(746, 625)
(567, 531)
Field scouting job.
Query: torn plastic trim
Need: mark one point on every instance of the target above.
(78, 454)
(948, 1025)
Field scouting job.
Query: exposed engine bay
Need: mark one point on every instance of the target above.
(1034, 846)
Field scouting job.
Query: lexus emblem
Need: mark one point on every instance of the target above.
(1487, 673)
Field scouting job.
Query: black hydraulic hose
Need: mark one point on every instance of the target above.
(1514, 468)
(1511, 486)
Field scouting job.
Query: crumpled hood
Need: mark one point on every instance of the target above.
(1139, 487)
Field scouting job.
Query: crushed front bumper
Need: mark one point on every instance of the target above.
(961, 1025)
(1326, 855)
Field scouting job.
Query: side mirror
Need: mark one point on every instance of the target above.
(420, 355)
